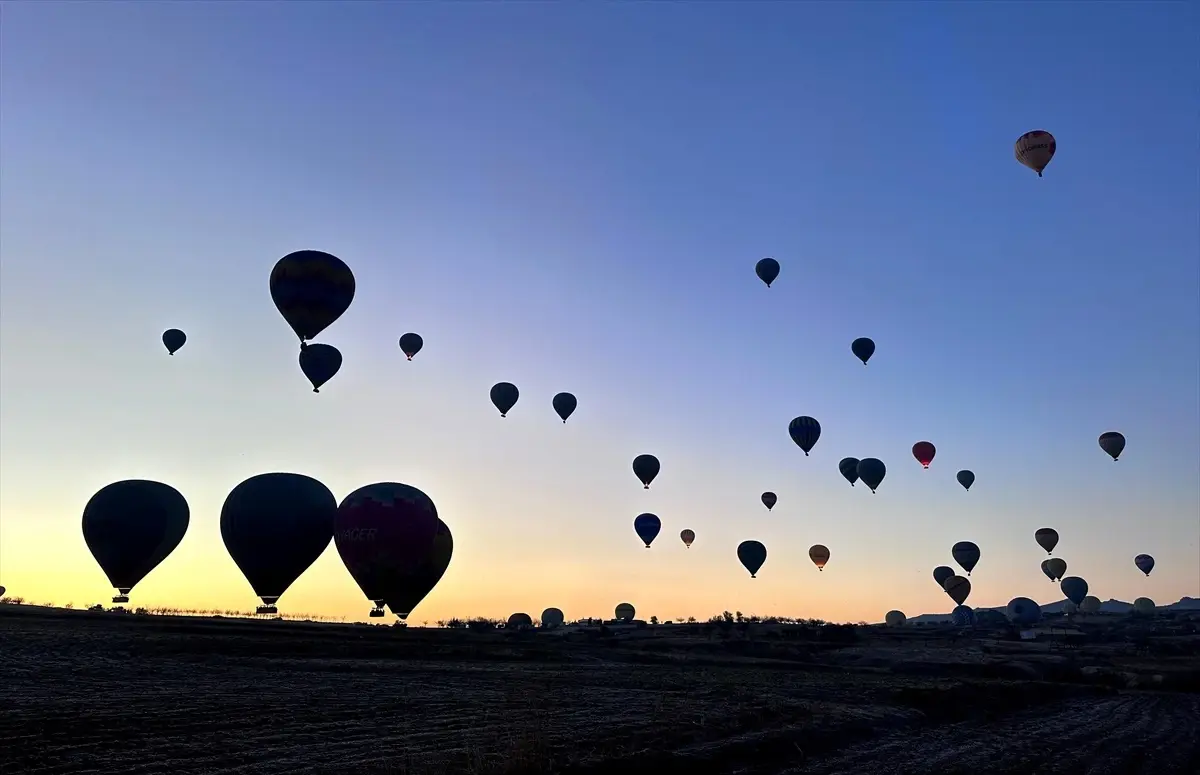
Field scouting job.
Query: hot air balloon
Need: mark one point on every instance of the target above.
(504, 397)
(173, 339)
(519, 621)
(1035, 150)
(1144, 606)
(767, 270)
(940, 574)
(625, 612)
(564, 405)
(894, 618)
(1054, 568)
(965, 478)
(320, 362)
(769, 500)
(752, 555)
(687, 536)
(1113, 443)
(1074, 588)
(1023, 611)
(411, 344)
(966, 554)
(1090, 605)
(924, 451)
(130, 527)
(311, 289)
(819, 555)
(2, 591)
(848, 466)
(871, 471)
(409, 591)
(647, 527)
(863, 348)
(1144, 563)
(645, 468)
(805, 431)
(384, 533)
(1047, 538)
(962, 616)
(552, 618)
(274, 527)
(958, 588)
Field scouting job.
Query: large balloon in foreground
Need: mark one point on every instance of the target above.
(1143, 606)
(1035, 149)
(2, 591)
(1144, 563)
(767, 270)
(551, 618)
(173, 339)
(504, 397)
(1074, 588)
(752, 555)
(894, 618)
(940, 574)
(645, 468)
(965, 478)
(871, 471)
(962, 616)
(274, 527)
(769, 500)
(311, 289)
(958, 588)
(1113, 443)
(1090, 605)
(805, 431)
(384, 533)
(414, 587)
(411, 344)
(924, 451)
(131, 526)
(966, 554)
(687, 536)
(863, 348)
(848, 467)
(819, 555)
(625, 612)
(519, 621)
(1047, 538)
(1022, 610)
(1054, 568)
(647, 527)
(564, 405)
(320, 362)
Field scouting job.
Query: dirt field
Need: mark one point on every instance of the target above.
(135, 695)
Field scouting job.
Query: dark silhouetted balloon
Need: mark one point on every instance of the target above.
(940, 574)
(767, 270)
(275, 526)
(551, 618)
(1035, 149)
(769, 500)
(1047, 538)
(819, 554)
(848, 467)
(752, 555)
(863, 348)
(625, 612)
(894, 619)
(647, 527)
(1074, 588)
(410, 590)
(645, 468)
(320, 362)
(924, 451)
(962, 616)
(1055, 568)
(2, 591)
(173, 339)
(965, 478)
(871, 471)
(311, 289)
(1144, 563)
(385, 533)
(1113, 443)
(805, 431)
(564, 405)
(131, 526)
(687, 536)
(1022, 610)
(504, 397)
(411, 344)
(519, 621)
(966, 554)
(958, 588)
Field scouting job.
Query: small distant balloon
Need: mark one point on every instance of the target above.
(769, 500)
(1035, 149)
(625, 612)
(805, 431)
(871, 471)
(311, 289)
(320, 362)
(863, 348)
(564, 405)
(519, 621)
(645, 468)
(504, 397)
(1047, 538)
(752, 555)
(848, 467)
(965, 478)
(687, 536)
(1074, 588)
(1144, 606)
(1055, 568)
(411, 344)
(966, 554)
(767, 270)
(924, 451)
(647, 526)
(819, 555)
(894, 618)
(551, 618)
(1144, 563)
(1113, 443)
(940, 574)
(173, 339)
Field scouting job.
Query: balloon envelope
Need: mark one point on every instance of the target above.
(687, 536)
(1035, 149)
(848, 467)
(963, 616)
(1090, 605)
(311, 289)
(1047, 538)
(519, 621)
(504, 397)
(940, 574)
(1113, 443)
(805, 431)
(1022, 610)
(958, 588)
(173, 339)
(965, 478)
(411, 344)
(819, 555)
(647, 527)
(894, 618)
(767, 270)
(411, 590)
(863, 348)
(924, 451)
(564, 405)
(871, 471)
(320, 362)
(1144, 563)
(966, 554)
(625, 612)
(645, 468)
(274, 527)
(551, 618)
(1143, 606)
(769, 500)
(131, 526)
(752, 555)
(1074, 588)
(1054, 568)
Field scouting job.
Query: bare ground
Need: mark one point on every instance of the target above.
(86, 693)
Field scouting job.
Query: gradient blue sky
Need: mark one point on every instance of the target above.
(572, 196)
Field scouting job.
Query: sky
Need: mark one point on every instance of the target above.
(572, 197)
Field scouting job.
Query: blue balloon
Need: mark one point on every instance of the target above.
(647, 527)
(964, 616)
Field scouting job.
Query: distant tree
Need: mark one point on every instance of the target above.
(738, 617)
(654, 620)
(691, 620)
(727, 617)
(69, 606)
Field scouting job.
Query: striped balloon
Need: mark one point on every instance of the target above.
(805, 431)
